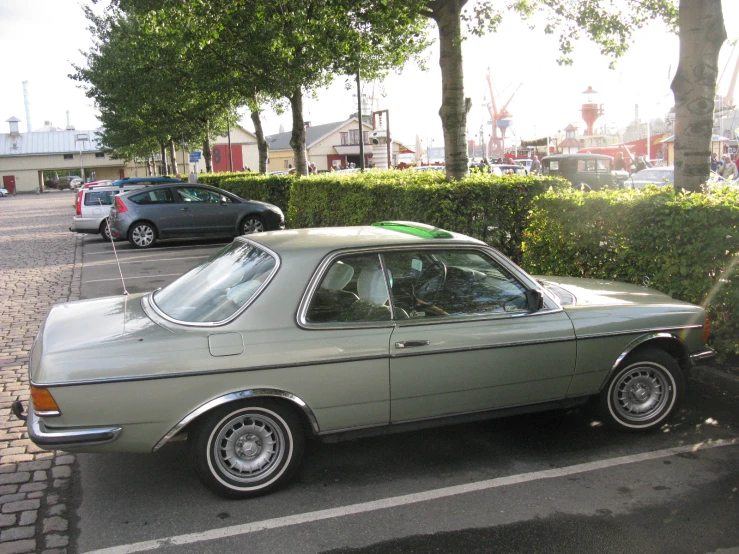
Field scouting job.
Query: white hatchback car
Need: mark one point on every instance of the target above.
(93, 206)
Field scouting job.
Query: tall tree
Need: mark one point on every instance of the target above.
(702, 33)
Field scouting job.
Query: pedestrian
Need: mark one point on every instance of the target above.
(640, 164)
(535, 168)
(714, 162)
(620, 163)
(728, 170)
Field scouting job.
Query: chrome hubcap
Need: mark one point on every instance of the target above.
(249, 447)
(640, 393)
(143, 235)
(253, 226)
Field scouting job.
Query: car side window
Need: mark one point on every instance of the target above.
(353, 289)
(104, 198)
(159, 196)
(446, 283)
(195, 194)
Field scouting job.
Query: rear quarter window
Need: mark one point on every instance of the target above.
(99, 198)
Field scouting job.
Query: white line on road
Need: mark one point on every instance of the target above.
(126, 251)
(129, 278)
(144, 260)
(393, 502)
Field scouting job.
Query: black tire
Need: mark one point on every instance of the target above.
(644, 390)
(142, 234)
(105, 230)
(247, 449)
(252, 224)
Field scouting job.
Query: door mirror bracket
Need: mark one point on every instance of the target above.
(534, 300)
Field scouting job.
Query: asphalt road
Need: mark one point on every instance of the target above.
(551, 482)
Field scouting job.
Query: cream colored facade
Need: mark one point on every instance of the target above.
(325, 148)
(243, 140)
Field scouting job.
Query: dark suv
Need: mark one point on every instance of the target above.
(584, 171)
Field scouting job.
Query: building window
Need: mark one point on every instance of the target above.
(99, 155)
(353, 136)
(68, 156)
(286, 163)
(365, 137)
(344, 139)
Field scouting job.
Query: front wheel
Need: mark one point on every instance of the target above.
(643, 391)
(242, 450)
(142, 235)
(252, 224)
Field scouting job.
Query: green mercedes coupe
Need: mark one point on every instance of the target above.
(288, 335)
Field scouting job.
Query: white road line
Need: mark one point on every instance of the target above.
(144, 260)
(110, 252)
(393, 502)
(129, 278)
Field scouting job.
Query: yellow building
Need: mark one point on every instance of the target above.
(25, 156)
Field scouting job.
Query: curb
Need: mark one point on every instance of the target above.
(713, 376)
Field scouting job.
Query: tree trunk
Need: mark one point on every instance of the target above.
(297, 140)
(163, 148)
(453, 112)
(262, 144)
(207, 152)
(173, 157)
(702, 34)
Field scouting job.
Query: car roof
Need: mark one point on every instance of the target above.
(577, 157)
(134, 180)
(328, 239)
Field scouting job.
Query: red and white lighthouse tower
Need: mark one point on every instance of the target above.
(591, 110)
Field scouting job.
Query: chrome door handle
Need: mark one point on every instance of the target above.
(411, 343)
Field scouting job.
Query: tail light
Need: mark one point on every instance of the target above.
(79, 202)
(706, 329)
(120, 207)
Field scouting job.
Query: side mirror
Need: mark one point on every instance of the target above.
(534, 300)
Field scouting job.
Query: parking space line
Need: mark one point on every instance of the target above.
(110, 252)
(144, 260)
(129, 278)
(393, 502)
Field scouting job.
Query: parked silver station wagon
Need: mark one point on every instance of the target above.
(288, 335)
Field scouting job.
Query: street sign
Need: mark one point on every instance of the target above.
(195, 157)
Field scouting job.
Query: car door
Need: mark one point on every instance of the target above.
(346, 322)
(465, 340)
(201, 211)
(157, 204)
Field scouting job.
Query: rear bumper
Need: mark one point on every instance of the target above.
(86, 224)
(67, 439)
(704, 354)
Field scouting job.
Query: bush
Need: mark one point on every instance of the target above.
(492, 209)
(686, 244)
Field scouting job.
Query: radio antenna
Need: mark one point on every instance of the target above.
(115, 252)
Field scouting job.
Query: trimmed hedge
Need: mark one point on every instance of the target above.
(493, 209)
(686, 244)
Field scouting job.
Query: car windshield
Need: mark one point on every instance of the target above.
(219, 288)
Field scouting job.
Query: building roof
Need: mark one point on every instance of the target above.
(313, 134)
(50, 142)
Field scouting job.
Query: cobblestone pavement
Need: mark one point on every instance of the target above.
(37, 270)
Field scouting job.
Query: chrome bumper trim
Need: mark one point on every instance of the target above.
(68, 438)
(702, 355)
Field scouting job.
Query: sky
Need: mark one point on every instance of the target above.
(41, 39)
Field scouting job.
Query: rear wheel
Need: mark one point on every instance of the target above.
(105, 230)
(643, 391)
(142, 235)
(245, 449)
(252, 224)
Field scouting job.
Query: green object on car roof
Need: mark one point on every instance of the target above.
(417, 229)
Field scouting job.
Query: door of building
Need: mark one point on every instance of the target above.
(9, 183)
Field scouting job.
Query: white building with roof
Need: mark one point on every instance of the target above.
(24, 157)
